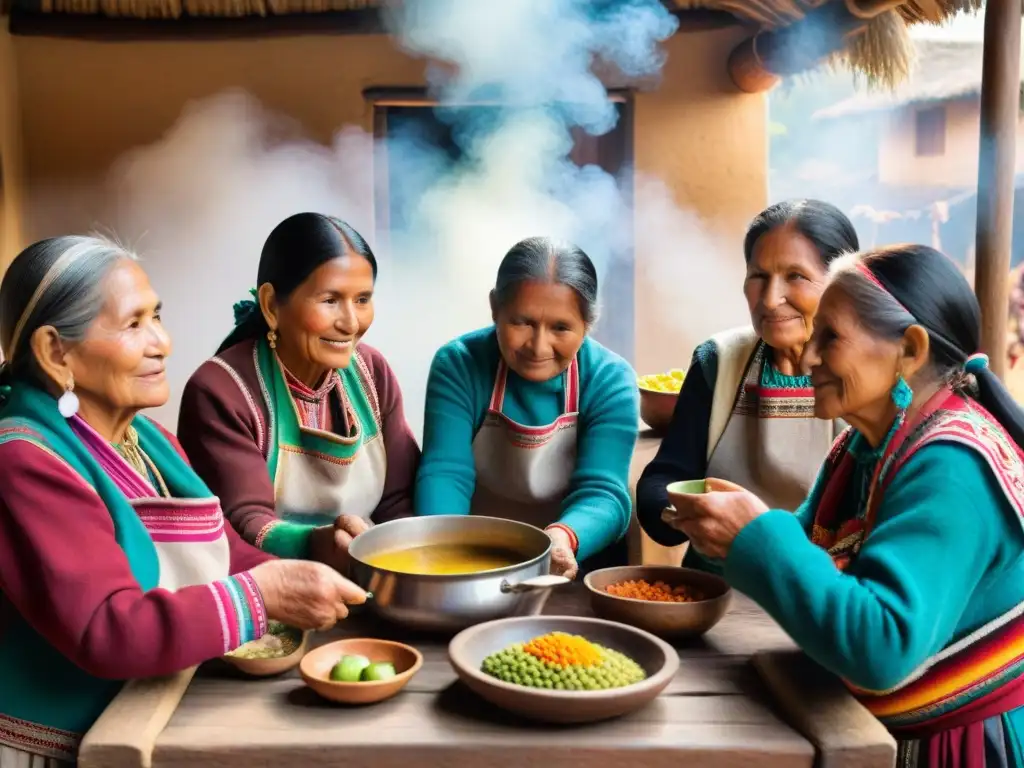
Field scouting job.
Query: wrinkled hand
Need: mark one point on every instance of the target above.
(329, 544)
(563, 561)
(712, 520)
(305, 594)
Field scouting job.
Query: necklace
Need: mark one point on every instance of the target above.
(131, 452)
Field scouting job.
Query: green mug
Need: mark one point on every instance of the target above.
(688, 486)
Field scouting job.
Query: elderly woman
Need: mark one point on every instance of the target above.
(903, 571)
(296, 425)
(746, 409)
(115, 562)
(530, 418)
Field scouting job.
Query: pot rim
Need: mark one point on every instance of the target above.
(458, 576)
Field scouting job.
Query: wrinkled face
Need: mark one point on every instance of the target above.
(785, 280)
(320, 324)
(120, 364)
(540, 329)
(852, 371)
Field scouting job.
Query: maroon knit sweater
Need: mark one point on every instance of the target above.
(223, 429)
(62, 569)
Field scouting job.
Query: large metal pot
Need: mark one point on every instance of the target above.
(454, 602)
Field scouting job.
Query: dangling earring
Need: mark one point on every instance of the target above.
(272, 338)
(901, 393)
(68, 402)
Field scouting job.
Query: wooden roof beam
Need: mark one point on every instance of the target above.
(760, 62)
(186, 27)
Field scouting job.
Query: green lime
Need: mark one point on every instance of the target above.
(382, 670)
(349, 669)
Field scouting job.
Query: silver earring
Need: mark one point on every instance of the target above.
(68, 402)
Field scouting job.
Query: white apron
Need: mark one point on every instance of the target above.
(766, 440)
(191, 547)
(318, 475)
(523, 473)
(188, 533)
(16, 758)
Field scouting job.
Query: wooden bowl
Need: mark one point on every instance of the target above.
(270, 667)
(317, 664)
(669, 620)
(470, 647)
(656, 408)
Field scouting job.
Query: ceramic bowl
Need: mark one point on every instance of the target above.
(686, 487)
(673, 621)
(317, 664)
(656, 408)
(273, 666)
(470, 647)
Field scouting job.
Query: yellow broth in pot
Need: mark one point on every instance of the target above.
(444, 559)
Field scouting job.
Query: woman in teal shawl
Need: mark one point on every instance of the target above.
(115, 562)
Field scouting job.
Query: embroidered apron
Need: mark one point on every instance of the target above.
(523, 473)
(772, 444)
(318, 475)
(16, 758)
(185, 533)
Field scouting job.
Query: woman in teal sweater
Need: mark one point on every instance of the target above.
(903, 572)
(531, 419)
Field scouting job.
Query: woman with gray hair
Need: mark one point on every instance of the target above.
(746, 409)
(903, 571)
(115, 562)
(530, 418)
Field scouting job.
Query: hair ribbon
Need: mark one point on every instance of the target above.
(56, 270)
(976, 362)
(863, 269)
(246, 308)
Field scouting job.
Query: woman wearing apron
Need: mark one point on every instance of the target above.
(115, 561)
(297, 426)
(530, 419)
(746, 410)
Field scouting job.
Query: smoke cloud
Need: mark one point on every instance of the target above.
(513, 82)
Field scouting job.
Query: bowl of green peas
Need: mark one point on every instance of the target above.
(563, 669)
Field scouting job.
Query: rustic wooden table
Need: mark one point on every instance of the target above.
(718, 712)
(744, 697)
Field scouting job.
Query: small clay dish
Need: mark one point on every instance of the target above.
(275, 665)
(317, 664)
(674, 621)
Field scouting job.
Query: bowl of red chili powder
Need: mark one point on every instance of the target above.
(667, 601)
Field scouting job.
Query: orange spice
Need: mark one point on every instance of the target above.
(564, 649)
(659, 592)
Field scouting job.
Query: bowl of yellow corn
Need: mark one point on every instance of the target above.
(658, 395)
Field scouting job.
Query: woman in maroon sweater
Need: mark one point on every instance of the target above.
(297, 426)
(115, 562)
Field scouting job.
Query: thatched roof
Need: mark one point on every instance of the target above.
(175, 9)
(952, 71)
(882, 51)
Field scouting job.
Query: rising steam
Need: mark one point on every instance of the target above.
(199, 203)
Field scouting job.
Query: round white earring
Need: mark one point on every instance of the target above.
(68, 402)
